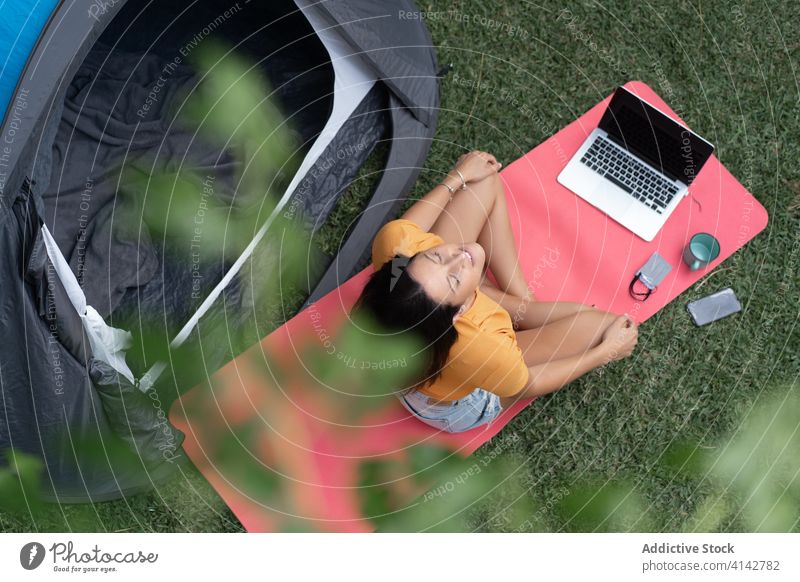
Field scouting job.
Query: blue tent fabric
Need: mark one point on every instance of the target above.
(20, 26)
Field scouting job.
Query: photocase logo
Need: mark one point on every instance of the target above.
(31, 555)
(399, 264)
(100, 7)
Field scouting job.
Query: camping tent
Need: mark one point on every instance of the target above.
(88, 87)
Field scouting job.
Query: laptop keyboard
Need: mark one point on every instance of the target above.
(638, 180)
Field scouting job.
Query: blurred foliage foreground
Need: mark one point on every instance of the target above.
(753, 473)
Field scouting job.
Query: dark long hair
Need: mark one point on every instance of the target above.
(400, 305)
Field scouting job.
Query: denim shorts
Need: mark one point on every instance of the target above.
(475, 409)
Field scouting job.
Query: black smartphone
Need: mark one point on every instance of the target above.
(713, 307)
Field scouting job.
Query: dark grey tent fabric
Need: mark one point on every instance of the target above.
(239, 308)
(104, 129)
(80, 123)
(392, 39)
(99, 129)
(102, 156)
(52, 409)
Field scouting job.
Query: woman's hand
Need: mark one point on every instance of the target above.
(477, 165)
(620, 338)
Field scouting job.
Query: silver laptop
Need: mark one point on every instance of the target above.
(636, 166)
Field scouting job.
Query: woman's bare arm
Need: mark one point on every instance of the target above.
(427, 209)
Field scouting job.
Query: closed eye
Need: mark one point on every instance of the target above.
(455, 281)
(435, 254)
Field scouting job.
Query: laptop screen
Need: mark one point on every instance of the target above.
(653, 136)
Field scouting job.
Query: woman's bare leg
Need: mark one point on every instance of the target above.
(570, 336)
(529, 314)
(497, 239)
(465, 215)
(479, 214)
(563, 338)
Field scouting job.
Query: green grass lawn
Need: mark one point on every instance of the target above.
(731, 72)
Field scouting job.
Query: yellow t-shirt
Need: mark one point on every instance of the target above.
(486, 354)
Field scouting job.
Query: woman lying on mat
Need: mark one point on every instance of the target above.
(429, 280)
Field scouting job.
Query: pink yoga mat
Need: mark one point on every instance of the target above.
(569, 251)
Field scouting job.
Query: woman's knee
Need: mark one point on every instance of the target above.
(495, 184)
(487, 191)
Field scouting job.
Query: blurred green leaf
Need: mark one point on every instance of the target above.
(423, 457)
(760, 465)
(234, 102)
(240, 457)
(605, 506)
(710, 514)
(20, 483)
(377, 498)
(374, 365)
(458, 488)
(685, 459)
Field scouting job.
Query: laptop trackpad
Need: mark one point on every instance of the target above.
(611, 197)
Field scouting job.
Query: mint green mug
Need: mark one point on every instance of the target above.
(701, 250)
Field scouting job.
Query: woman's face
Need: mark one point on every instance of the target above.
(449, 273)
